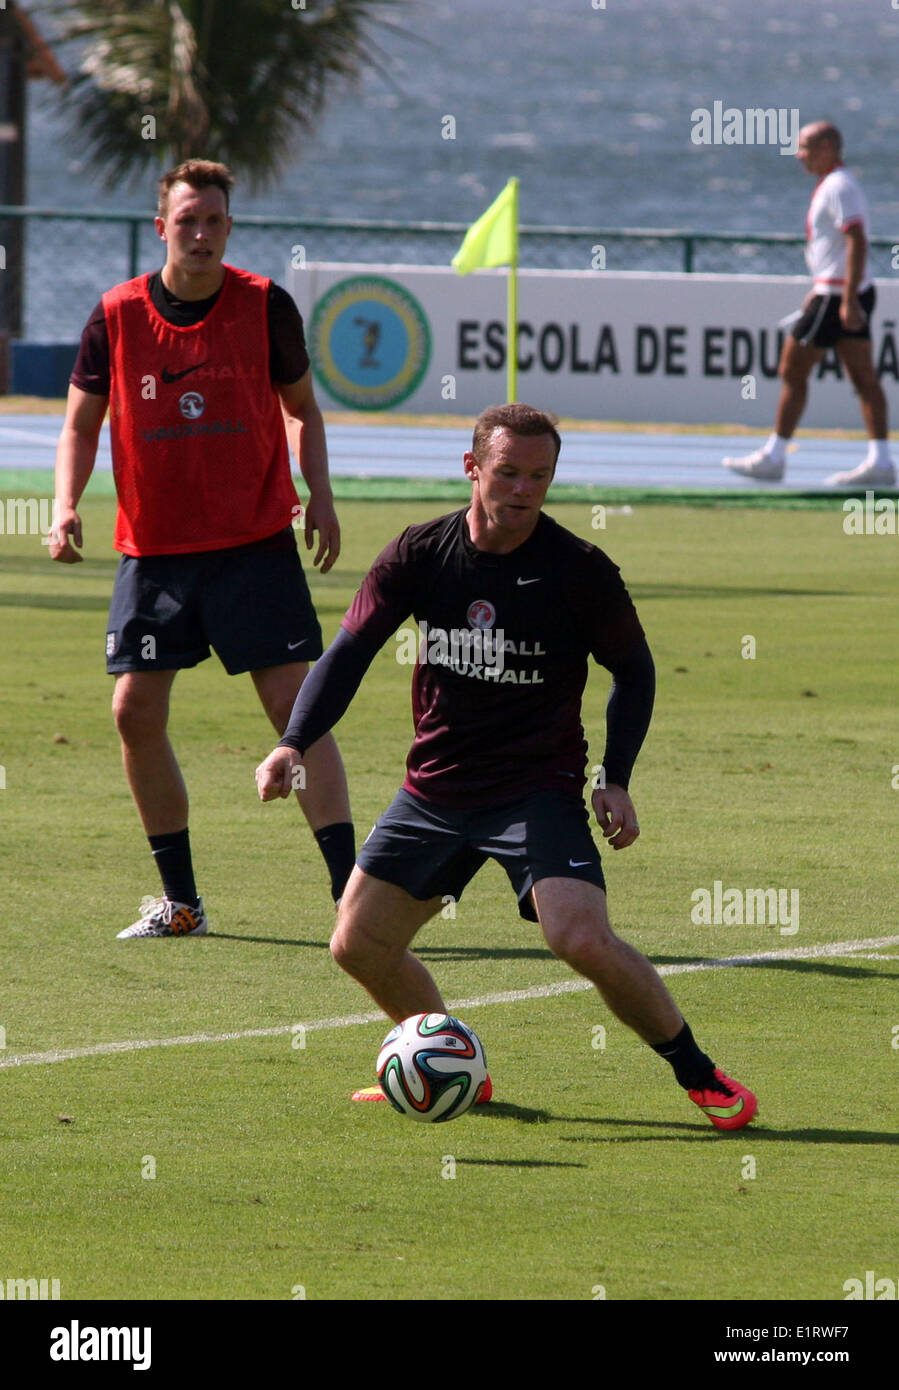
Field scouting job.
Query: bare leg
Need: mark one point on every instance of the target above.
(796, 365)
(855, 354)
(325, 799)
(140, 706)
(576, 926)
(375, 925)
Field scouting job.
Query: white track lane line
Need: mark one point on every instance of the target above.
(28, 436)
(509, 996)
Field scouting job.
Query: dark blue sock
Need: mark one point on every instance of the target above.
(173, 860)
(692, 1067)
(337, 843)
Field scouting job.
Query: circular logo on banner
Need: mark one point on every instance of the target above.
(369, 342)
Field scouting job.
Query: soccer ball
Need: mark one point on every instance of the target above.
(431, 1067)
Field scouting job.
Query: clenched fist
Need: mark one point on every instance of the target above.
(275, 776)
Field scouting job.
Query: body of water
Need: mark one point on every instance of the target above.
(591, 105)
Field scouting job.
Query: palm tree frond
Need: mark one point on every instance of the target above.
(235, 81)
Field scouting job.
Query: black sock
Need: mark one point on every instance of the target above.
(338, 845)
(692, 1067)
(172, 855)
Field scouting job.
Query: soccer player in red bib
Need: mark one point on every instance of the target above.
(510, 607)
(205, 373)
(836, 313)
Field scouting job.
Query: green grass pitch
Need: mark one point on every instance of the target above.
(591, 1174)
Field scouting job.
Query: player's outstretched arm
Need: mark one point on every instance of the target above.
(323, 700)
(75, 456)
(627, 719)
(306, 437)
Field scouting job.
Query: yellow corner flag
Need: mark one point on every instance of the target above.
(493, 239)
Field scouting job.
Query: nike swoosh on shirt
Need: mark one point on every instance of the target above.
(581, 863)
(529, 581)
(168, 377)
(292, 646)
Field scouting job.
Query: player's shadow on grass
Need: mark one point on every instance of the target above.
(693, 1131)
(444, 953)
(441, 953)
(686, 1130)
(514, 1163)
(267, 940)
(854, 969)
(504, 1110)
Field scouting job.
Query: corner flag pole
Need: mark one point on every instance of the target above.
(512, 305)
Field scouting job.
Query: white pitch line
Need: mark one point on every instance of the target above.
(509, 996)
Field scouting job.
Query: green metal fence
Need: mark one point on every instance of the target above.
(70, 258)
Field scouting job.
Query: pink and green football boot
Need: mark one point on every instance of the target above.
(727, 1104)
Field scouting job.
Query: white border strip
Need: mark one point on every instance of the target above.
(510, 996)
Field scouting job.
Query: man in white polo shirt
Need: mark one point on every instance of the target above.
(835, 314)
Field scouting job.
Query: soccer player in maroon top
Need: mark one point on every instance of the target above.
(202, 367)
(510, 606)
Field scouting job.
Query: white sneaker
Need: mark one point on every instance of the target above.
(872, 474)
(756, 465)
(162, 917)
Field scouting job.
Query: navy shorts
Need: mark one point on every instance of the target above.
(432, 851)
(820, 324)
(250, 603)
